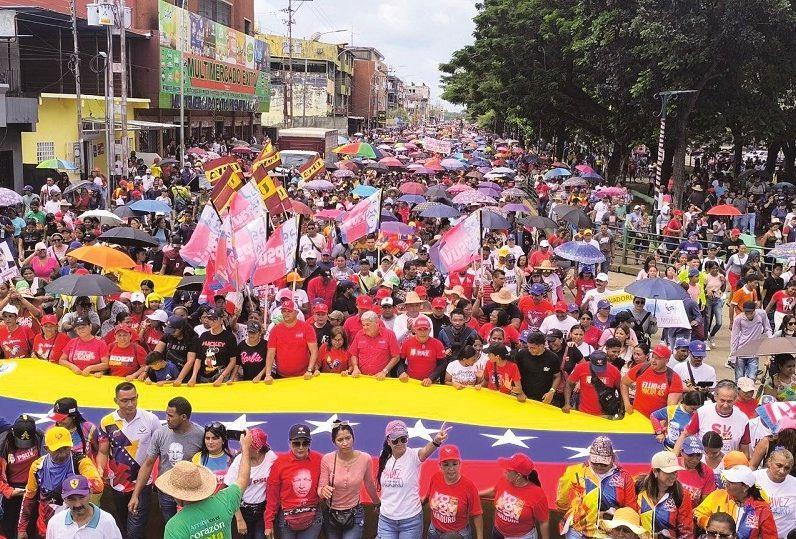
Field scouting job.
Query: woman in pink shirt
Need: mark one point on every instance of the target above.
(42, 262)
(342, 474)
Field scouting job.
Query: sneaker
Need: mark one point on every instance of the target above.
(713, 343)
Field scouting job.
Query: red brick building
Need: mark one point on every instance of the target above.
(369, 92)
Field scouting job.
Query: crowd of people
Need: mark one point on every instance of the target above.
(517, 319)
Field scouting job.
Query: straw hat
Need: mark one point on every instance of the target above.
(457, 290)
(625, 516)
(413, 298)
(188, 482)
(504, 296)
(546, 265)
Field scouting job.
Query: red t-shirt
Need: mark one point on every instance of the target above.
(652, 388)
(292, 483)
(17, 343)
(696, 486)
(537, 257)
(50, 349)
(582, 286)
(332, 359)
(451, 506)
(421, 358)
(151, 338)
(83, 354)
(508, 376)
(749, 407)
(589, 402)
(374, 353)
(518, 509)
(290, 343)
(125, 361)
(784, 302)
(534, 313)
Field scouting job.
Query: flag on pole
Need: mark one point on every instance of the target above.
(457, 246)
(268, 159)
(226, 177)
(271, 191)
(279, 256)
(221, 276)
(249, 229)
(205, 236)
(363, 219)
(312, 168)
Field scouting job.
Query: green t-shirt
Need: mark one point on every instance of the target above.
(208, 519)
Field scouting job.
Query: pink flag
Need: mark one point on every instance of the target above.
(249, 230)
(202, 245)
(220, 270)
(457, 246)
(362, 219)
(278, 257)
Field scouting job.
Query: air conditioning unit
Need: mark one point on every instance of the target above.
(104, 14)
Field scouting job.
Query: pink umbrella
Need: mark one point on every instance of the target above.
(473, 197)
(196, 151)
(459, 188)
(412, 188)
(348, 165)
(610, 192)
(391, 162)
(584, 169)
(330, 215)
(300, 207)
(242, 150)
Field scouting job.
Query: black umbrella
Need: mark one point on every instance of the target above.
(85, 184)
(537, 221)
(125, 235)
(437, 191)
(82, 285)
(125, 212)
(191, 282)
(330, 166)
(169, 161)
(572, 215)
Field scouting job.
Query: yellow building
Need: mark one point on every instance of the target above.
(56, 131)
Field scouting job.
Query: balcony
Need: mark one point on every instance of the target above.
(18, 110)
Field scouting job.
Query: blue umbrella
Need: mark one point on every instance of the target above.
(364, 190)
(556, 173)
(478, 162)
(785, 250)
(656, 288)
(150, 206)
(440, 212)
(396, 227)
(494, 221)
(577, 251)
(412, 199)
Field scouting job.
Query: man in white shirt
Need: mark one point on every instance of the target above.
(695, 373)
(780, 487)
(514, 249)
(592, 297)
(47, 190)
(312, 240)
(558, 320)
(82, 518)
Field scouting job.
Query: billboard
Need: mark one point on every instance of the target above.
(225, 70)
(302, 48)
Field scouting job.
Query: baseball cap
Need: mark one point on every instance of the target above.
(697, 349)
(387, 302)
(666, 461)
(746, 384)
(422, 291)
(10, 309)
(555, 334)
(421, 322)
(603, 304)
(287, 305)
(172, 324)
(75, 485)
(601, 450)
(518, 462)
(749, 306)
(40, 246)
(320, 308)
(561, 307)
(681, 342)
(159, 316)
(598, 358)
(544, 243)
(215, 313)
(537, 289)
(740, 474)
(449, 452)
(662, 351)
(693, 446)
(524, 334)
(299, 432)
(253, 326)
(364, 301)
(137, 296)
(601, 277)
(439, 303)
(56, 438)
(693, 272)
(49, 319)
(24, 432)
(124, 328)
(82, 321)
(396, 429)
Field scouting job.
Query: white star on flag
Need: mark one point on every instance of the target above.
(581, 452)
(325, 426)
(508, 438)
(240, 423)
(421, 431)
(41, 418)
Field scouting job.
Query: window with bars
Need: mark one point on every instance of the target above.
(44, 151)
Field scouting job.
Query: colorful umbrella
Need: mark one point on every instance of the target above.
(577, 251)
(9, 197)
(364, 190)
(452, 164)
(103, 256)
(457, 188)
(360, 149)
(473, 197)
(556, 173)
(343, 173)
(318, 185)
(412, 188)
(57, 164)
(727, 210)
(785, 250)
(412, 199)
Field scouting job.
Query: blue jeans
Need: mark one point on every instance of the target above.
(434, 533)
(168, 506)
(746, 366)
(673, 333)
(132, 525)
(407, 528)
(310, 533)
(354, 533)
(752, 220)
(713, 314)
(253, 515)
(530, 535)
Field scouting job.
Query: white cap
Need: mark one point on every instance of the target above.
(312, 253)
(601, 277)
(544, 243)
(40, 245)
(666, 461)
(387, 302)
(159, 315)
(740, 474)
(188, 271)
(10, 309)
(746, 384)
(137, 296)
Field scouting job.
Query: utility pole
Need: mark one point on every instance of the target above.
(664, 96)
(180, 41)
(289, 118)
(79, 100)
(125, 150)
(110, 151)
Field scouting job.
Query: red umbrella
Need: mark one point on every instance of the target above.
(434, 164)
(412, 188)
(300, 207)
(348, 165)
(724, 209)
(241, 149)
(391, 162)
(197, 151)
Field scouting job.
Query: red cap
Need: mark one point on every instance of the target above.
(662, 351)
(421, 322)
(519, 462)
(382, 293)
(229, 307)
(49, 319)
(421, 291)
(735, 231)
(449, 452)
(287, 305)
(124, 328)
(561, 307)
(364, 301)
(678, 212)
(81, 271)
(320, 308)
(259, 439)
(439, 303)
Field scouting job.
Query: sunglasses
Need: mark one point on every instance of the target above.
(401, 440)
(792, 323)
(300, 443)
(639, 302)
(717, 535)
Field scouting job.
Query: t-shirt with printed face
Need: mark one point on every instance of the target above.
(83, 354)
(214, 352)
(518, 509)
(252, 358)
(16, 343)
(452, 505)
(172, 447)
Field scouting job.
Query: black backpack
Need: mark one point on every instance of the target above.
(610, 401)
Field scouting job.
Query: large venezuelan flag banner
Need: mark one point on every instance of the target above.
(486, 424)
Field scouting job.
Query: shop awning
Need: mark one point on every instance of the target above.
(98, 124)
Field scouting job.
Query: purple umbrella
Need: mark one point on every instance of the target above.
(514, 192)
(438, 210)
(489, 185)
(343, 173)
(412, 199)
(452, 164)
(473, 197)
(396, 227)
(489, 192)
(517, 208)
(318, 185)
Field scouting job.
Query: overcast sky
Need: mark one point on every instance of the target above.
(415, 36)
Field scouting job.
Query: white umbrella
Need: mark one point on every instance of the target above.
(105, 217)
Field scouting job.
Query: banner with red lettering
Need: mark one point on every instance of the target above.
(203, 241)
(457, 246)
(363, 219)
(278, 257)
(268, 159)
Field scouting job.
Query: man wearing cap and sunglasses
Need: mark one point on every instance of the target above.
(19, 448)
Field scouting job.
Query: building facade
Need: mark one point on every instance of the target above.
(369, 94)
(417, 102)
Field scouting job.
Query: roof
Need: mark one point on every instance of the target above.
(305, 132)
